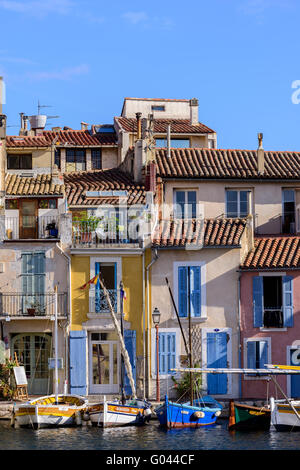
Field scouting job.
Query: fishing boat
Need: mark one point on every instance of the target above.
(51, 410)
(123, 411)
(184, 415)
(285, 414)
(244, 417)
(115, 413)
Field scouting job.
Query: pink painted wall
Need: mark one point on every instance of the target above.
(280, 340)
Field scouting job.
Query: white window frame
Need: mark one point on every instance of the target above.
(268, 339)
(185, 190)
(106, 260)
(202, 265)
(238, 190)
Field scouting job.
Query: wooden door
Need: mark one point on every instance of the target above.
(28, 219)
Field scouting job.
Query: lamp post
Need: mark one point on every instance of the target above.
(156, 320)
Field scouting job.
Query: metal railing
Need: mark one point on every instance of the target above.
(98, 302)
(87, 234)
(35, 304)
(273, 317)
(25, 227)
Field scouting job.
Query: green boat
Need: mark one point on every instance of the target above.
(247, 417)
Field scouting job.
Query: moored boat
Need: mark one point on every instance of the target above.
(285, 414)
(115, 413)
(49, 411)
(203, 412)
(248, 417)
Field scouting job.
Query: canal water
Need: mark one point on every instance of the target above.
(149, 437)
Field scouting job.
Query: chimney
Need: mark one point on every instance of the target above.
(139, 125)
(260, 155)
(194, 118)
(84, 126)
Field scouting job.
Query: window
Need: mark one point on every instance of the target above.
(157, 107)
(237, 203)
(108, 273)
(47, 203)
(96, 159)
(189, 291)
(273, 301)
(167, 352)
(57, 158)
(75, 159)
(11, 204)
(288, 201)
(33, 281)
(185, 204)
(175, 143)
(257, 354)
(19, 162)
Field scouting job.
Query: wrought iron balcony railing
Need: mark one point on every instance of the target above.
(99, 303)
(86, 234)
(35, 304)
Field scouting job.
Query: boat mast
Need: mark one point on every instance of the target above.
(55, 348)
(190, 347)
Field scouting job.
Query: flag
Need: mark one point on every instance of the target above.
(94, 280)
(123, 294)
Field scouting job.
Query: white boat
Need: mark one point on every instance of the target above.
(115, 413)
(285, 414)
(51, 410)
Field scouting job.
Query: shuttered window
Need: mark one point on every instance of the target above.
(189, 291)
(167, 352)
(33, 281)
(257, 354)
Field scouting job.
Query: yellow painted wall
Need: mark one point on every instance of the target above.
(80, 298)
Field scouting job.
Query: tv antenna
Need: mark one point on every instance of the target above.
(45, 106)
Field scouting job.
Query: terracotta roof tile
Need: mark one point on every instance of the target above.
(178, 126)
(274, 252)
(78, 183)
(226, 163)
(32, 186)
(209, 232)
(73, 137)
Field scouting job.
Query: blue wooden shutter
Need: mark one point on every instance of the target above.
(287, 290)
(263, 354)
(167, 352)
(257, 301)
(171, 351)
(217, 358)
(162, 352)
(78, 382)
(130, 344)
(195, 291)
(183, 291)
(251, 356)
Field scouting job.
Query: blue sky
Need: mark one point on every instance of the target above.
(240, 58)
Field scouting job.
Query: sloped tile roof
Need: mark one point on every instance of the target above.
(274, 252)
(32, 186)
(73, 137)
(178, 126)
(226, 163)
(209, 232)
(78, 183)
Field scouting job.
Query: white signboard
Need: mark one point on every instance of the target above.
(20, 375)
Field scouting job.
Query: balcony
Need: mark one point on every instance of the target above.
(93, 235)
(17, 305)
(43, 227)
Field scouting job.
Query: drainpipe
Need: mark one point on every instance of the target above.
(239, 334)
(148, 317)
(70, 310)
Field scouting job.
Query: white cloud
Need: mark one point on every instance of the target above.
(258, 7)
(38, 8)
(64, 74)
(135, 17)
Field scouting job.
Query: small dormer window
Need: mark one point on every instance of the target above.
(157, 107)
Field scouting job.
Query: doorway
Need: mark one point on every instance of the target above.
(28, 219)
(104, 363)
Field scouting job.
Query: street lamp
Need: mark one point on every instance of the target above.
(156, 320)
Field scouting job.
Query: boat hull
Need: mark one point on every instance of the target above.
(112, 414)
(175, 415)
(246, 417)
(44, 412)
(283, 417)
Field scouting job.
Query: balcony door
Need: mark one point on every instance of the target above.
(104, 363)
(28, 218)
(108, 273)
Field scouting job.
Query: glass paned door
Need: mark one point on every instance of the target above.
(28, 219)
(33, 351)
(104, 366)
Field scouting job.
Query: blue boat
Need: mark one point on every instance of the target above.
(203, 412)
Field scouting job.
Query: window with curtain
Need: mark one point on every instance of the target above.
(189, 291)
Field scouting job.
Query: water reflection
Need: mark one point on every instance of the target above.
(150, 437)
